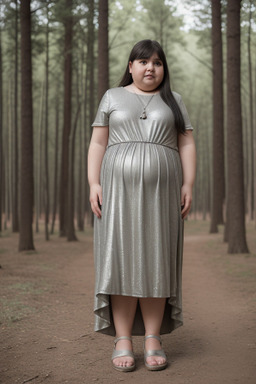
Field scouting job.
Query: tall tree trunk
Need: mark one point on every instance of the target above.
(10, 146)
(56, 156)
(80, 205)
(80, 181)
(218, 120)
(1, 132)
(39, 153)
(236, 212)
(26, 185)
(103, 62)
(87, 130)
(63, 211)
(251, 122)
(15, 179)
(89, 96)
(6, 172)
(71, 236)
(46, 170)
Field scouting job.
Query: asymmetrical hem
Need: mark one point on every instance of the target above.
(138, 241)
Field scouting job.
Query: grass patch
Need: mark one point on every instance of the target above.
(13, 310)
(28, 288)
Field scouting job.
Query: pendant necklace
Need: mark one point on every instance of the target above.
(143, 115)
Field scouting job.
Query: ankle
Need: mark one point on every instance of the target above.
(123, 342)
(152, 341)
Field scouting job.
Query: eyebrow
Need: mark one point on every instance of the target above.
(147, 58)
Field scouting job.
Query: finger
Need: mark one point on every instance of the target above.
(186, 206)
(184, 215)
(185, 210)
(96, 209)
(100, 197)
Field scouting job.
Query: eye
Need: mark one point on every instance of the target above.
(144, 62)
(158, 63)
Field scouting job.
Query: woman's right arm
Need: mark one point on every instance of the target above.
(96, 152)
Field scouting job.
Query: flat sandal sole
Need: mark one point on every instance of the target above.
(159, 367)
(124, 369)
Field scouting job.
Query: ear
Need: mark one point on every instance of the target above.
(130, 66)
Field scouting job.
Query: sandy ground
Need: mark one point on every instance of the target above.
(46, 318)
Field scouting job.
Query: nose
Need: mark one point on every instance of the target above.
(150, 66)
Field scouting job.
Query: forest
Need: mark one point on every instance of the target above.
(57, 58)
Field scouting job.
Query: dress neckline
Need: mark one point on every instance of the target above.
(141, 94)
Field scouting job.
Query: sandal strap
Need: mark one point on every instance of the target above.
(122, 338)
(157, 352)
(154, 352)
(154, 337)
(122, 353)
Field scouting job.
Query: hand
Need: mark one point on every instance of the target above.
(186, 200)
(96, 199)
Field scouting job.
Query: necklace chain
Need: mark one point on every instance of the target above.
(143, 115)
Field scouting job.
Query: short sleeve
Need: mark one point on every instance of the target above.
(102, 115)
(188, 125)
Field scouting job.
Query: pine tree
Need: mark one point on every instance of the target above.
(236, 211)
(26, 180)
(218, 192)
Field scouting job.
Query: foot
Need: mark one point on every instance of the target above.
(124, 361)
(154, 344)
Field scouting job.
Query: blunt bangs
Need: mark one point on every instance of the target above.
(145, 49)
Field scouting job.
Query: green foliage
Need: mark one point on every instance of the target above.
(187, 47)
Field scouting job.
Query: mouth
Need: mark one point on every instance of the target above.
(149, 76)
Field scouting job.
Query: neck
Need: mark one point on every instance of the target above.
(143, 91)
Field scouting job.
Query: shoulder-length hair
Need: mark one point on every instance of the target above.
(144, 49)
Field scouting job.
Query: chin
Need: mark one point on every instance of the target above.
(151, 87)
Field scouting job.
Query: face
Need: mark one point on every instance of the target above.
(147, 74)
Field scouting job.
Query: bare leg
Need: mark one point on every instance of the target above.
(152, 310)
(123, 309)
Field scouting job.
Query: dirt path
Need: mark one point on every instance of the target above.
(47, 322)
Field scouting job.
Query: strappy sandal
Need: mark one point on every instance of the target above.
(122, 353)
(152, 352)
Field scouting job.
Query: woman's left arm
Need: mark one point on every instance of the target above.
(187, 150)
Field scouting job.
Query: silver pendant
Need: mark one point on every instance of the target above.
(143, 116)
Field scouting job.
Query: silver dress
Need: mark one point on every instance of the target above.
(138, 241)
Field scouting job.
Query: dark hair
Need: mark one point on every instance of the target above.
(144, 49)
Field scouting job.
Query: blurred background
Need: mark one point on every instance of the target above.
(58, 57)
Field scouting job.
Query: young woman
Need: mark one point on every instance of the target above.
(141, 169)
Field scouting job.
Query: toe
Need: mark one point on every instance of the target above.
(123, 362)
(151, 361)
(155, 360)
(161, 361)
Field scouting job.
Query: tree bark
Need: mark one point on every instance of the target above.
(236, 211)
(89, 98)
(15, 215)
(63, 210)
(251, 122)
(71, 236)
(46, 155)
(26, 185)
(81, 180)
(218, 192)
(1, 132)
(39, 152)
(56, 152)
(103, 61)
